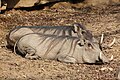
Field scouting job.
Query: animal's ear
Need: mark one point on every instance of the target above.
(79, 27)
(76, 28)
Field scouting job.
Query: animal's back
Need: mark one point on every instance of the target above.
(19, 31)
(47, 46)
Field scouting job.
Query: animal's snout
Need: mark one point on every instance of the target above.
(102, 59)
(99, 61)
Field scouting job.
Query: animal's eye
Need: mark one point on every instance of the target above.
(90, 46)
(80, 44)
(83, 32)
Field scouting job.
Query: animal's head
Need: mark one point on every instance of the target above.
(91, 53)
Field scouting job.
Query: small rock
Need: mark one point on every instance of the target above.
(106, 68)
(9, 15)
(78, 70)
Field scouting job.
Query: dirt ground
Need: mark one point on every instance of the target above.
(98, 20)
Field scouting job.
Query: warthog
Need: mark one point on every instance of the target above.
(76, 30)
(62, 48)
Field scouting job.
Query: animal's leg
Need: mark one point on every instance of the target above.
(28, 56)
(30, 53)
(67, 59)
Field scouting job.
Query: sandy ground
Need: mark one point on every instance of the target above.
(98, 21)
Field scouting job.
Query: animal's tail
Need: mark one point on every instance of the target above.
(15, 45)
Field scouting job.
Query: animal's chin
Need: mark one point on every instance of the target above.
(94, 63)
(91, 62)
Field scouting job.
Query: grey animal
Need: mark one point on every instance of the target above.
(62, 48)
(76, 30)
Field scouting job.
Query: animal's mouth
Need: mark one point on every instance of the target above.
(102, 58)
(100, 61)
(97, 62)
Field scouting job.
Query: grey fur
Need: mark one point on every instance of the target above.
(63, 48)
